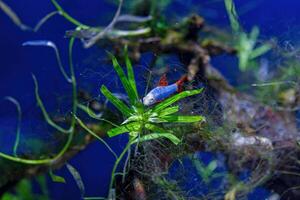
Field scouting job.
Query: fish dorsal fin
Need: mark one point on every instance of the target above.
(163, 80)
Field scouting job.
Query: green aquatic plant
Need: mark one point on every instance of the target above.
(141, 123)
(207, 173)
(139, 117)
(247, 48)
(69, 132)
(144, 123)
(246, 43)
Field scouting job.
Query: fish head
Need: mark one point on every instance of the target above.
(149, 99)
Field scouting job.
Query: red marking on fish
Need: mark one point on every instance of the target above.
(163, 81)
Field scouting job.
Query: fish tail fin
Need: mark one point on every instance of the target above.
(180, 83)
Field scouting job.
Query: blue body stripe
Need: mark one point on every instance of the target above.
(162, 92)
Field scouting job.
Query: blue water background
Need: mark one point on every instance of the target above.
(274, 17)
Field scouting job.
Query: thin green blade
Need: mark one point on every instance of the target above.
(133, 98)
(116, 102)
(130, 73)
(87, 110)
(132, 118)
(212, 166)
(169, 110)
(175, 98)
(232, 14)
(260, 51)
(56, 178)
(43, 109)
(155, 128)
(157, 120)
(154, 136)
(183, 119)
(131, 127)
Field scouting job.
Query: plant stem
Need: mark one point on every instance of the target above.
(117, 163)
(67, 16)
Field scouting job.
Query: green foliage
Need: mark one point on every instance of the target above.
(207, 173)
(24, 191)
(67, 16)
(143, 123)
(69, 131)
(247, 48)
(140, 118)
(245, 44)
(56, 178)
(232, 14)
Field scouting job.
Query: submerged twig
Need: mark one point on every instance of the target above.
(93, 40)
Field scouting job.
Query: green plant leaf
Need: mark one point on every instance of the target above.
(260, 51)
(67, 16)
(183, 119)
(95, 135)
(156, 120)
(212, 166)
(43, 109)
(133, 98)
(169, 110)
(130, 73)
(155, 128)
(133, 118)
(131, 127)
(87, 110)
(153, 136)
(116, 102)
(254, 35)
(233, 16)
(159, 132)
(173, 99)
(56, 178)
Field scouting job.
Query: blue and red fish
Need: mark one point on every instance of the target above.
(163, 90)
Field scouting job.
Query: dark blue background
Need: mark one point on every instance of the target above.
(274, 17)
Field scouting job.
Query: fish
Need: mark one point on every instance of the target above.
(163, 90)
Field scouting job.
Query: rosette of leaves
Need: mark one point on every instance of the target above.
(246, 44)
(141, 122)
